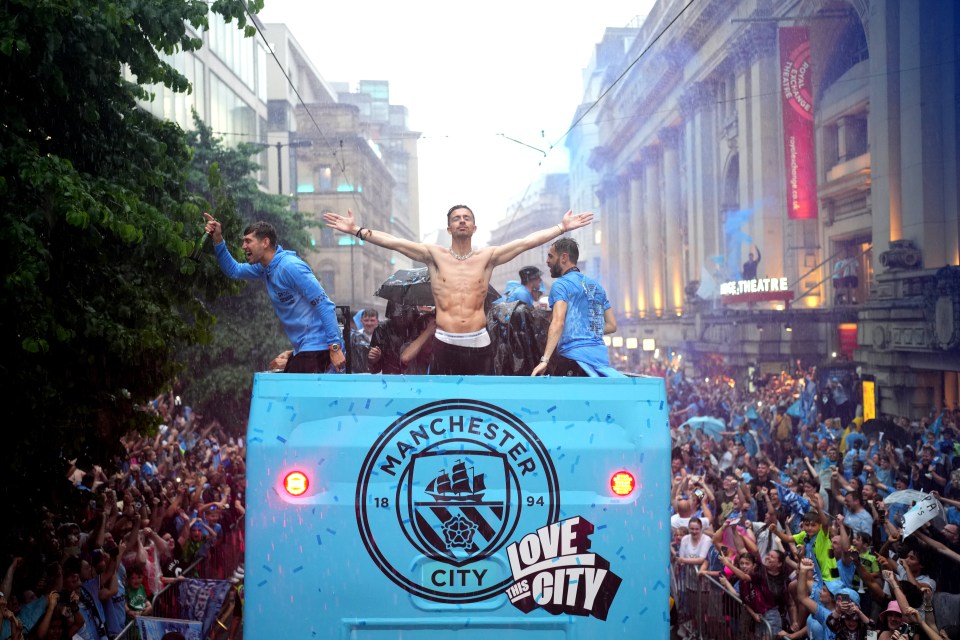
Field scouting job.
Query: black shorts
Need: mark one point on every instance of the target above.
(308, 362)
(453, 360)
(565, 367)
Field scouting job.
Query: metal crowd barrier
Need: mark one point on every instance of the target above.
(219, 563)
(707, 611)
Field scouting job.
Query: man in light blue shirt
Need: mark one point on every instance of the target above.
(529, 290)
(582, 314)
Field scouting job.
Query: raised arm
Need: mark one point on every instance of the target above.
(803, 589)
(346, 224)
(509, 251)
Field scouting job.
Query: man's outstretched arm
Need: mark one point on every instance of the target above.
(346, 224)
(509, 251)
(228, 264)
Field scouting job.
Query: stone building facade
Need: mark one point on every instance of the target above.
(692, 178)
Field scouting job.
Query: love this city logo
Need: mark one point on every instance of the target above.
(450, 484)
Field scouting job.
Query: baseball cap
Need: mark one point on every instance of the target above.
(836, 587)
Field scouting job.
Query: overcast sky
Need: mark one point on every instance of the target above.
(467, 73)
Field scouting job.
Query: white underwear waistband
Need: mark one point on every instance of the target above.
(474, 339)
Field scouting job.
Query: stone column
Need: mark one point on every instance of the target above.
(625, 274)
(700, 178)
(638, 268)
(672, 212)
(928, 128)
(653, 257)
(884, 127)
(609, 264)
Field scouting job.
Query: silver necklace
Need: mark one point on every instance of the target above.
(459, 257)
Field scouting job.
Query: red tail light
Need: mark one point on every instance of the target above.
(622, 483)
(296, 483)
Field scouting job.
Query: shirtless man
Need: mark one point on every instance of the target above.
(459, 278)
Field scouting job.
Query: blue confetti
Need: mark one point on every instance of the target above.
(282, 439)
(658, 585)
(643, 611)
(618, 551)
(603, 526)
(552, 409)
(334, 403)
(258, 430)
(322, 460)
(460, 380)
(570, 426)
(261, 583)
(661, 405)
(319, 541)
(256, 439)
(269, 406)
(293, 417)
(267, 568)
(331, 532)
(298, 569)
(625, 618)
(350, 410)
(367, 405)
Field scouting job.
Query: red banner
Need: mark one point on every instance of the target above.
(798, 136)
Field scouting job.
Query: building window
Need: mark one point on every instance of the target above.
(324, 178)
(328, 280)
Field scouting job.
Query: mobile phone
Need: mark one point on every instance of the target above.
(905, 629)
(698, 493)
(842, 597)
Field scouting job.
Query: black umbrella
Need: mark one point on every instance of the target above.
(890, 430)
(412, 287)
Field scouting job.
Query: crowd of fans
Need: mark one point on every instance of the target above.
(784, 499)
(100, 560)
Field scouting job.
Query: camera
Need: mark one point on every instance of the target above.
(137, 505)
(698, 493)
(842, 597)
(905, 629)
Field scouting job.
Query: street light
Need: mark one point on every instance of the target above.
(294, 144)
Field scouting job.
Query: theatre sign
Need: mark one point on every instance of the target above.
(756, 290)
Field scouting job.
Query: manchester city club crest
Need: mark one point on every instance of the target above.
(447, 486)
(459, 502)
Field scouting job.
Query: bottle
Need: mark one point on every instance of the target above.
(202, 241)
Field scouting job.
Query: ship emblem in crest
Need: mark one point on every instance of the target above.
(455, 516)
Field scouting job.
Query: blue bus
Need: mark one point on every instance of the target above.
(446, 506)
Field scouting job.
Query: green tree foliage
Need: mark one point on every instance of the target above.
(97, 290)
(247, 334)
